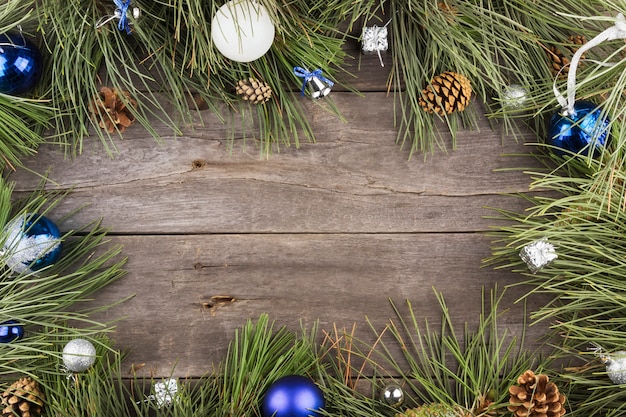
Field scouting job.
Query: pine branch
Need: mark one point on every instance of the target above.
(40, 301)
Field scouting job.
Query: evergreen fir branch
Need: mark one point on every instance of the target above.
(170, 56)
(22, 119)
(45, 301)
(472, 371)
(475, 40)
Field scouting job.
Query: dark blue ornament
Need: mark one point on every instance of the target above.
(10, 331)
(587, 128)
(293, 396)
(20, 64)
(32, 242)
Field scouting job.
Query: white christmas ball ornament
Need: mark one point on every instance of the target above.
(242, 30)
(79, 355)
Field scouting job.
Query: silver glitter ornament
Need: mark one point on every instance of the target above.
(31, 242)
(392, 395)
(374, 40)
(79, 355)
(514, 97)
(538, 254)
(615, 366)
(165, 392)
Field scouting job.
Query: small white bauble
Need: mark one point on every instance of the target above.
(242, 30)
(79, 355)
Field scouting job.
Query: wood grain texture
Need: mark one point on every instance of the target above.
(330, 231)
(338, 279)
(354, 179)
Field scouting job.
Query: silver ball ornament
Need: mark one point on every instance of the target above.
(514, 97)
(79, 355)
(392, 395)
(616, 367)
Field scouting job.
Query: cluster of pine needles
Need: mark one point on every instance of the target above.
(170, 67)
(465, 373)
(578, 203)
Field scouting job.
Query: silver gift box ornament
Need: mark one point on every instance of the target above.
(538, 254)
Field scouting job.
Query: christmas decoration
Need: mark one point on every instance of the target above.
(560, 62)
(535, 396)
(374, 40)
(242, 30)
(20, 64)
(123, 15)
(585, 129)
(615, 366)
(24, 398)
(165, 392)
(254, 91)
(430, 410)
(393, 395)
(293, 396)
(10, 331)
(447, 92)
(32, 242)
(113, 110)
(514, 97)
(538, 254)
(318, 85)
(79, 355)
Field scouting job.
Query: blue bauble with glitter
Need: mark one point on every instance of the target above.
(293, 396)
(10, 331)
(20, 64)
(31, 242)
(584, 129)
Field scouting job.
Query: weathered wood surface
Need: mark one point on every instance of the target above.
(330, 231)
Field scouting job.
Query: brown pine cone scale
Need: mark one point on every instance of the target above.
(254, 91)
(447, 92)
(110, 109)
(23, 398)
(559, 61)
(535, 396)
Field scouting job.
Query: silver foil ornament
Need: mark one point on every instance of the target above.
(79, 355)
(615, 366)
(374, 41)
(538, 254)
(514, 97)
(392, 395)
(165, 392)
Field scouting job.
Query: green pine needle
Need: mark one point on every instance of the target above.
(44, 302)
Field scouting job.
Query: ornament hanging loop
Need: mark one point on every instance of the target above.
(122, 15)
(617, 31)
(374, 40)
(19, 28)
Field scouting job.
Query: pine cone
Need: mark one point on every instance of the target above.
(558, 59)
(431, 410)
(484, 405)
(447, 93)
(254, 91)
(534, 396)
(111, 112)
(23, 398)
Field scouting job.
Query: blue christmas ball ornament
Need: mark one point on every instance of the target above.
(31, 242)
(584, 130)
(10, 331)
(293, 396)
(20, 64)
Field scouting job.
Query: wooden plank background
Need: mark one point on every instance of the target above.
(330, 231)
